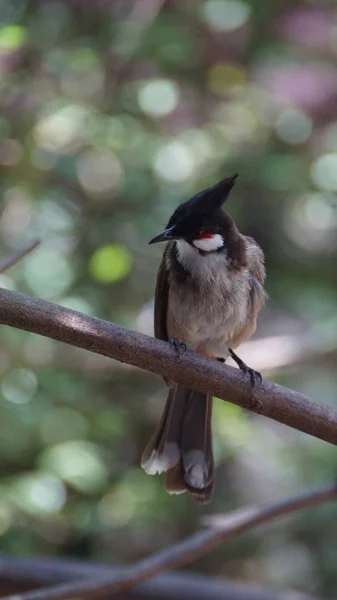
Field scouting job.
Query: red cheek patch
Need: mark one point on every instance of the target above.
(206, 236)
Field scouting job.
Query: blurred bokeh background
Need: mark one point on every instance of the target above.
(111, 114)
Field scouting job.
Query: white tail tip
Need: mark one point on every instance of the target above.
(159, 463)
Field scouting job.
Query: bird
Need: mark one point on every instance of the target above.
(209, 291)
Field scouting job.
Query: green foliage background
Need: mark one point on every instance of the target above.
(111, 114)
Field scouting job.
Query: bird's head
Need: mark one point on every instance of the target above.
(200, 221)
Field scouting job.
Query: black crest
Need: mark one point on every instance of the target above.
(202, 212)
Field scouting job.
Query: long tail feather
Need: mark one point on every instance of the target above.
(196, 447)
(181, 445)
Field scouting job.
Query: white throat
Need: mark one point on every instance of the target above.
(202, 267)
(208, 244)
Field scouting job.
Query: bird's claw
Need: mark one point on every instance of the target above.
(255, 376)
(179, 346)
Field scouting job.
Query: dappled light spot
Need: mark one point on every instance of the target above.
(312, 223)
(100, 172)
(174, 162)
(55, 215)
(39, 493)
(293, 126)
(78, 463)
(19, 386)
(225, 15)
(318, 212)
(158, 97)
(16, 213)
(236, 121)
(47, 273)
(12, 37)
(199, 143)
(62, 127)
(224, 78)
(324, 172)
(131, 498)
(110, 263)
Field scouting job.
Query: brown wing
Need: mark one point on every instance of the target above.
(257, 295)
(255, 259)
(161, 300)
(256, 267)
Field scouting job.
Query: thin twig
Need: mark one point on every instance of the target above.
(191, 368)
(182, 553)
(9, 262)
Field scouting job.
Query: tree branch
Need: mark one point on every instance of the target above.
(184, 552)
(191, 368)
(18, 573)
(9, 262)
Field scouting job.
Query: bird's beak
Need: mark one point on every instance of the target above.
(164, 236)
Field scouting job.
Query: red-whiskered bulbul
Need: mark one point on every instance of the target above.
(208, 295)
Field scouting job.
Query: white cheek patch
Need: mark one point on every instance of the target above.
(210, 243)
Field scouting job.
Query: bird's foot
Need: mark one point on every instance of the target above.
(255, 376)
(179, 346)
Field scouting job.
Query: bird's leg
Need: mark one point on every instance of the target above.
(179, 346)
(254, 375)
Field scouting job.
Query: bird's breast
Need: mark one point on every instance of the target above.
(210, 313)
